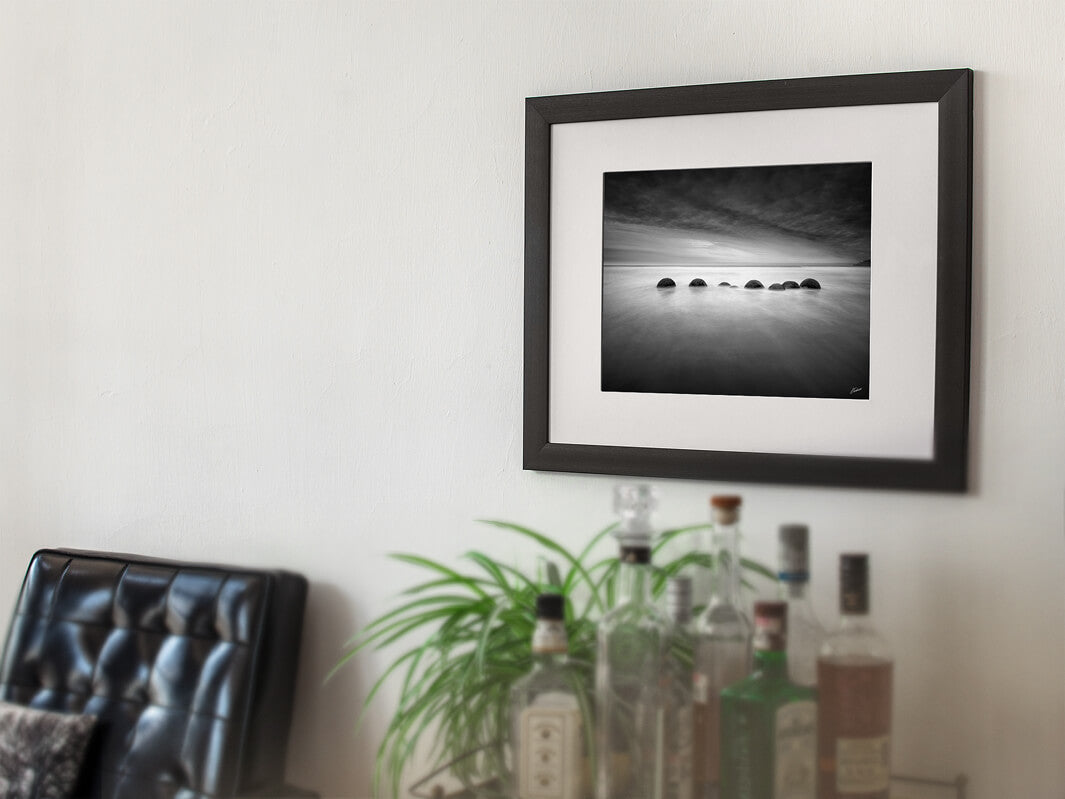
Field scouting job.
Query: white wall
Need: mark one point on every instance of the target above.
(261, 302)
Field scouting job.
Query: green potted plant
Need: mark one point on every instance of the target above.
(467, 637)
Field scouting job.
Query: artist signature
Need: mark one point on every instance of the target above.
(857, 389)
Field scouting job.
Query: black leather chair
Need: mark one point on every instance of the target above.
(189, 669)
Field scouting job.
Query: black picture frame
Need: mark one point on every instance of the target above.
(951, 91)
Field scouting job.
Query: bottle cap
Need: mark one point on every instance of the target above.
(634, 504)
(794, 553)
(770, 624)
(549, 635)
(550, 606)
(854, 583)
(679, 598)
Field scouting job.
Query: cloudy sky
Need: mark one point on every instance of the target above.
(808, 214)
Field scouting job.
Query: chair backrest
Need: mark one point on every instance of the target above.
(190, 668)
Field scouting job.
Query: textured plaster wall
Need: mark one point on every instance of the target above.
(261, 298)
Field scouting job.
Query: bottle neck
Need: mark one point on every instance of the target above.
(794, 590)
(853, 622)
(726, 571)
(634, 583)
(680, 617)
(771, 663)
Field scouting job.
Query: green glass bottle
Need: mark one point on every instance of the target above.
(768, 723)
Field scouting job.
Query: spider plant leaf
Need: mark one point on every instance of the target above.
(667, 536)
(407, 626)
(554, 577)
(498, 572)
(418, 560)
(438, 583)
(545, 542)
(584, 553)
(375, 627)
(482, 642)
(758, 568)
(379, 682)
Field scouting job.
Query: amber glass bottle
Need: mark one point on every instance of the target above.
(854, 677)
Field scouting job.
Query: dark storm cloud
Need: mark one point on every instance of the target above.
(824, 207)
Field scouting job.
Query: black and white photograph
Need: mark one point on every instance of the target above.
(700, 295)
(744, 281)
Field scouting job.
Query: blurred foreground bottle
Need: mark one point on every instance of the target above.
(629, 669)
(805, 634)
(854, 677)
(680, 650)
(768, 723)
(723, 644)
(545, 713)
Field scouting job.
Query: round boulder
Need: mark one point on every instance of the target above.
(776, 287)
(810, 283)
(790, 284)
(666, 283)
(754, 284)
(725, 284)
(698, 282)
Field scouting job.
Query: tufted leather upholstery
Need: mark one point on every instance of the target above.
(190, 669)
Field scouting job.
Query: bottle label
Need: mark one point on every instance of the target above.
(796, 751)
(863, 765)
(549, 637)
(549, 764)
(700, 688)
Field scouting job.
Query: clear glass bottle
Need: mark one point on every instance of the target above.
(629, 673)
(768, 723)
(680, 651)
(723, 644)
(854, 683)
(545, 714)
(805, 633)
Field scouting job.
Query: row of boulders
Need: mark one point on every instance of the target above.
(808, 283)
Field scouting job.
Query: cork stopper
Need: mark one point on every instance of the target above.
(770, 625)
(725, 508)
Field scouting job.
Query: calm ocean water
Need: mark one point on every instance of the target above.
(749, 342)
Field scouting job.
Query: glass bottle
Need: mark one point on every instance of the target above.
(805, 633)
(680, 651)
(722, 647)
(629, 664)
(545, 714)
(854, 679)
(768, 723)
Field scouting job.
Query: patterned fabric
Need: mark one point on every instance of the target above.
(40, 751)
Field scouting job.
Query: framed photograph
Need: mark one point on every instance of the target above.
(752, 282)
